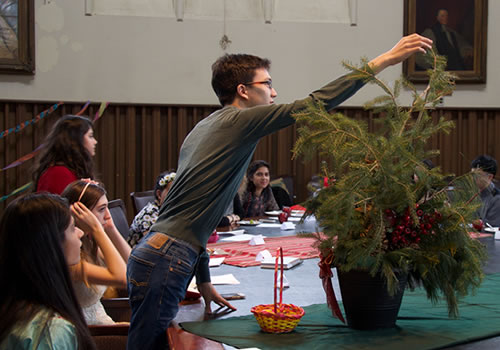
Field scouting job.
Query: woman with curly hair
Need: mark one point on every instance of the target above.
(66, 155)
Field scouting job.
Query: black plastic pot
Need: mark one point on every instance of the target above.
(367, 303)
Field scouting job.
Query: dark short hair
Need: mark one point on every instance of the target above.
(485, 163)
(429, 164)
(231, 70)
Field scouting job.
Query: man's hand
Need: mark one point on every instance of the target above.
(209, 294)
(406, 47)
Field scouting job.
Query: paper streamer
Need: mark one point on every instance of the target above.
(16, 191)
(24, 158)
(84, 108)
(31, 121)
(99, 113)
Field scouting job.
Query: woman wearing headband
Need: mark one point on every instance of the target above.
(38, 240)
(104, 251)
(66, 155)
(149, 214)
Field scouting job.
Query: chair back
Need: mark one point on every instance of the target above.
(140, 199)
(119, 215)
(282, 187)
(110, 337)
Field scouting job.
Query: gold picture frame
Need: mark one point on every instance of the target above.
(17, 37)
(459, 30)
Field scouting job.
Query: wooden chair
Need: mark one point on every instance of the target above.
(119, 215)
(140, 199)
(110, 337)
(117, 308)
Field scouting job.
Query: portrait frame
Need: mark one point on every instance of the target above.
(22, 47)
(467, 17)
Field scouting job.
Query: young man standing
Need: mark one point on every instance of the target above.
(212, 162)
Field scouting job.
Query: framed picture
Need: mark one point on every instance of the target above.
(17, 37)
(458, 29)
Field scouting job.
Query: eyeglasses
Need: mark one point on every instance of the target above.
(269, 83)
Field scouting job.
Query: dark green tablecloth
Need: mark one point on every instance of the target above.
(420, 326)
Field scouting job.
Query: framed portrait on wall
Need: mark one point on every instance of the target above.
(458, 29)
(17, 37)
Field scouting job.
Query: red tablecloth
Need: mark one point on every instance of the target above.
(242, 254)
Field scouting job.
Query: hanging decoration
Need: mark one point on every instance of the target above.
(224, 42)
(100, 112)
(24, 158)
(31, 121)
(84, 108)
(16, 191)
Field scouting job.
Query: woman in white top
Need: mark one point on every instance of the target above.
(104, 251)
(38, 307)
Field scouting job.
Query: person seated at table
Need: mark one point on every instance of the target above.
(38, 241)
(66, 156)
(257, 196)
(104, 250)
(149, 214)
(485, 168)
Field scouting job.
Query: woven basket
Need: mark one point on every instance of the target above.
(278, 318)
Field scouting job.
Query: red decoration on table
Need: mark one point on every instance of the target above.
(478, 224)
(241, 254)
(214, 237)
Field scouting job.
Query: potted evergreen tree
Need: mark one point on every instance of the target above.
(385, 216)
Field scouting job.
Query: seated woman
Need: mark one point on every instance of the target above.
(257, 196)
(104, 251)
(149, 214)
(66, 156)
(38, 241)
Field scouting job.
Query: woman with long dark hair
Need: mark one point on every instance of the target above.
(66, 155)
(38, 240)
(104, 251)
(257, 196)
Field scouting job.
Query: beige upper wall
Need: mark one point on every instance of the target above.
(160, 61)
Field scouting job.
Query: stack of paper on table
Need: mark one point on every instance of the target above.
(220, 279)
(231, 233)
(239, 238)
(214, 262)
(288, 262)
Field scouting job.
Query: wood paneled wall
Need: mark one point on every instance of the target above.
(136, 142)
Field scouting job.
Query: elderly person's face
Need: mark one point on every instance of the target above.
(442, 17)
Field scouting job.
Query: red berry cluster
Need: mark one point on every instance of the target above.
(285, 214)
(403, 231)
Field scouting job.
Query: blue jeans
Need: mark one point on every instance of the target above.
(158, 272)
